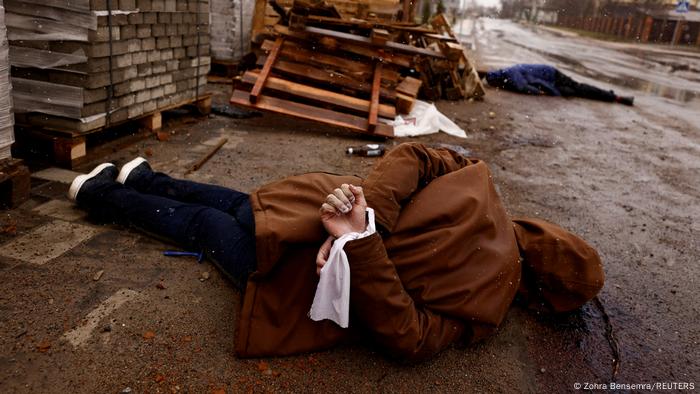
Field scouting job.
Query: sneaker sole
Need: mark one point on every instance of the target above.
(81, 179)
(127, 168)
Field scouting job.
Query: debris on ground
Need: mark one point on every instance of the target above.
(233, 112)
(204, 276)
(98, 275)
(320, 65)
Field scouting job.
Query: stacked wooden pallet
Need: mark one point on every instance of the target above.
(6, 117)
(82, 65)
(349, 72)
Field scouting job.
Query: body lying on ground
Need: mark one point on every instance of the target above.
(541, 79)
(444, 265)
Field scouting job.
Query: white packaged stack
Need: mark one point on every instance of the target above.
(7, 120)
(231, 23)
(80, 65)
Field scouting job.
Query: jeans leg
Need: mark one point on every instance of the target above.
(193, 227)
(224, 199)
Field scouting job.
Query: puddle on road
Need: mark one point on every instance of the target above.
(651, 88)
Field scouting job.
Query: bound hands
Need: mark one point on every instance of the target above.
(342, 213)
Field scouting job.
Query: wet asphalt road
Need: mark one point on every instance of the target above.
(86, 307)
(630, 175)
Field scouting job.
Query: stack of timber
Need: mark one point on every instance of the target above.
(316, 64)
(7, 120)
(79, 66)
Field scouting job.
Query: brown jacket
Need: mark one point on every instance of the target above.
(445, 265)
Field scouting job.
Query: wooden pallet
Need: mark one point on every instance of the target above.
(15, 183)
(69, 149)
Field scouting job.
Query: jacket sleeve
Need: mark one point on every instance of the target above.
(379, 301)
(403, 171)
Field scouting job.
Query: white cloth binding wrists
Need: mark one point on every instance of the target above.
(332, 299)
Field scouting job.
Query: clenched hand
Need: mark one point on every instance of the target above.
(344, 211)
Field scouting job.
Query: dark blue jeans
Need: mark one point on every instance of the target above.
(194, 216)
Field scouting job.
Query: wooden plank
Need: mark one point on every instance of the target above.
(379, 37)
(321, 95)
(358, 49)
(409, 86)
(374, 101)
(404, 103)
(258, 20)
(410, 49)
(300, 54)
(271, 57)
(303, 111)
(406, 12)
(307, 72)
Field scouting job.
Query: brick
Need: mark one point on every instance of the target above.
(164, 17)
(135, 110)
(97, 64)
(169, 89)
(136, 18)
(127, 5)
(157, 92)
(150, 18)
(150, 106)
(134, 45)
(102, 49)
(170, 5)
(163, 102)
(143, 31)
(117, 20)
(158, 5)
(148, 44)
(121, 89)
(165, 79)
(158, 30)
(166, 54)
(152, 81)
(139, 58)
(154, 56)
(102, 34)
(159, 67)
(172, 65)
(171, 30)
(143, 95)
(175, 41)
(127, 100)
(94, 95)
(163, 42)
(122, 61)
(128, 32)
(137, 85)
(145, 69)
(144, 5)
(179, 53)
(130, 73)
(189, 40)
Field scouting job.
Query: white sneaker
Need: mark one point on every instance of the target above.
(103, 172)
(128, 169)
